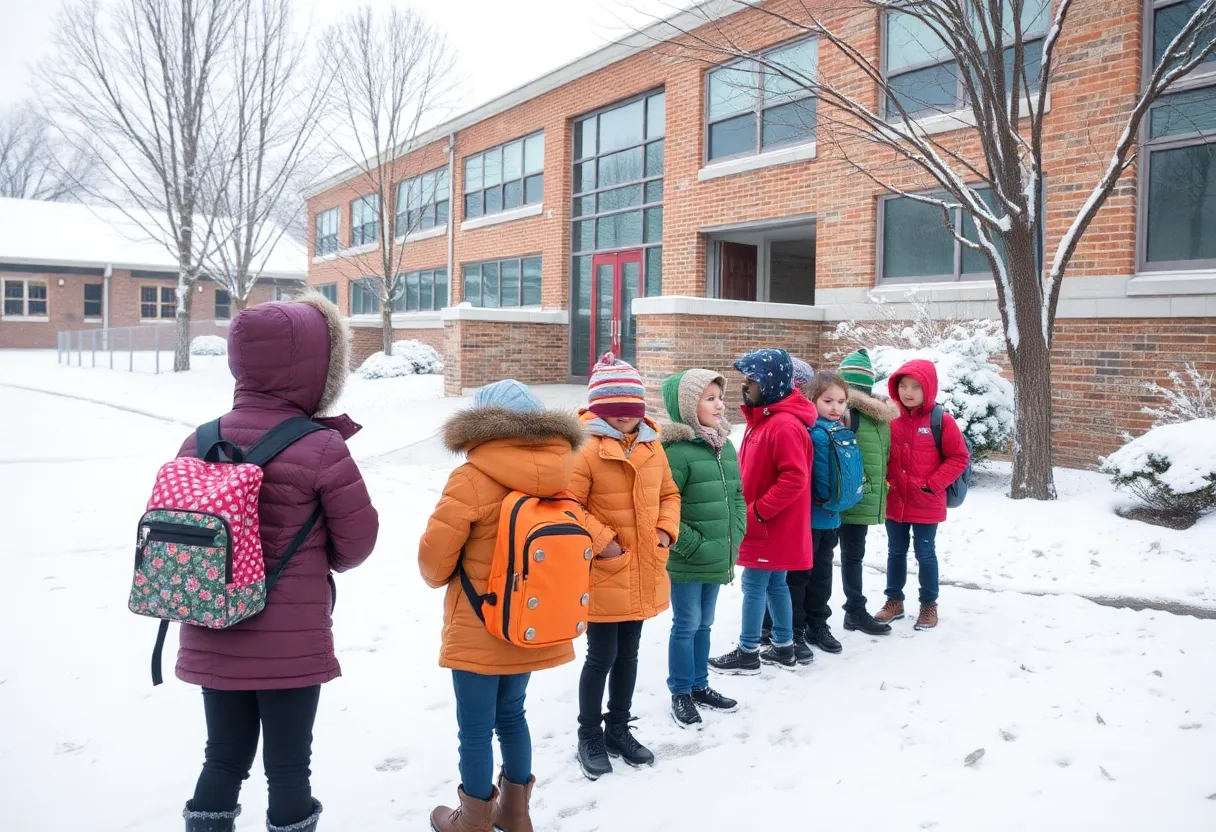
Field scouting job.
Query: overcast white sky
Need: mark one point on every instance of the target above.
(501, 43)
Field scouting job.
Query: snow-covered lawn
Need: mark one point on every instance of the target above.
(1090, 717)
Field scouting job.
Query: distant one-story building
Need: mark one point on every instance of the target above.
(66, 266)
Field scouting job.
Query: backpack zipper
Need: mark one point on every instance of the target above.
(142, 543)
(551, 531)
(506, 609)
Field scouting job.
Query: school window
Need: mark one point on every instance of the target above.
(925, 79)
(223, 305)
(157, 303)
(505, 177)
(327, 232)
(365, 220)
(25, 298)
(503, 283)
(329, 291)
(93, 299)
(421, 291)
(1178, 161)
(753, 108)
(365, 296)
(422, 202)
(916, 246)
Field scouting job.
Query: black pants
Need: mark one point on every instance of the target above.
(852, 552)
(234, 720)
(612, 658)
(811, 589)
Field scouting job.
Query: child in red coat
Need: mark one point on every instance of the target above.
(918, 477)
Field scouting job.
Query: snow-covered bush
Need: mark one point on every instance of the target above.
(209, 345)
(970, 387)
(1172, 468)
(1189, 396)
(409, 358)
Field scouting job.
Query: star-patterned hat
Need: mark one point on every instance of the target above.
(773, 369)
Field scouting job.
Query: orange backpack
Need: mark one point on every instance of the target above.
(540, 578)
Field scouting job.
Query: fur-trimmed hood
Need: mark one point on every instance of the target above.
(681, 394)
(476, 426)
(339, 348)
(880, 410)
(529, 452)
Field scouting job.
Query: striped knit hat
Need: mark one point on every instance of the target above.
(616, 389)
(858, 372)
(803, 373)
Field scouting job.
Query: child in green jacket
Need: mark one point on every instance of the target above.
(713, 518)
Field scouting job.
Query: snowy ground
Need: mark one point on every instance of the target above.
(1090, 717)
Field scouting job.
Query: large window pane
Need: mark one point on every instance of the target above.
(654, 225)
(619, 168)
(493, 169)
(472, 174)
(584, 235)
(584, 138)
(473, 205)
(654, 159)
(512, 195)
(426, 294)
(413, 282)
(1036, 18)
(789, 123)
(621, 127)
(1168, 22)
(584, 206)
(619, 230)
(489, 285)
(512, 161)
(534, 153)
(1184, 112)
(1182, 204)
(584, 177)
(472, 284)
(731, 137)
(531, 283)
(627, 197)
(797, 63)
(441, 288)
(654, 191)
(916, 243)
(534, 189)
(654, 271)
(911, 43)
(1032, 57)
(493, 199)
(656, 116)
(508, 276)
(732, 89)
(931, 89)
(580, 335)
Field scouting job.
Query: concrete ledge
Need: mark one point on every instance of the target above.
(419, 236)
(1172, 283)
(772, 159)
(513, 315)
(714, 307)
(520, 213)
(401, 320)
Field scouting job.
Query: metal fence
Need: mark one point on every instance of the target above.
(137, 349)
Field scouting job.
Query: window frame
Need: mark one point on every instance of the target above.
(361, 284)
(100, 301)
(226, 305)
(480, 264)
(160, 302)
(328, 289)
(958, 276)
(402, 226)
(437, 303)
(359, 233)
(25, 299)
(522, 179)
(1200, 78)
(327, 243)
(758, 110)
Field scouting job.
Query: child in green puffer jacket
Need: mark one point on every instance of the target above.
(713, 518)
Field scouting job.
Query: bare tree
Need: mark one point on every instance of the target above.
(987, 168)
(33, 165)
(140, 80)
(391, 80)
(275, 104)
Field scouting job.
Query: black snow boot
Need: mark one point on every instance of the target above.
(684, 712)
(821, 636)
(209, 821)
(802, 650)
(866, 623)
(621, 743)
(782, 657)
(593, 753)
(737, 662)
(309, 824)
(710, 698)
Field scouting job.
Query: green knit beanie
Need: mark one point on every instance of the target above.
(858, 372)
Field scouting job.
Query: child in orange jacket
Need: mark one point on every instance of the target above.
(633, 513)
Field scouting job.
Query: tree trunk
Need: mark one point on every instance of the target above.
(240, 304)
(181, 341)
(386, 326)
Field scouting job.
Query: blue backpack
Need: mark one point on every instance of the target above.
(956, 492)
(845, 472)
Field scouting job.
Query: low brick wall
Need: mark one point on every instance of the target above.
(366, 340)
(478, 352)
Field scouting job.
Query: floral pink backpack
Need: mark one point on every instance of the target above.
(198, 554)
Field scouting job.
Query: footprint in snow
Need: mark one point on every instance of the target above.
(392, 764)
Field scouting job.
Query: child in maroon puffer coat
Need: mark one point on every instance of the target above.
(918, 476)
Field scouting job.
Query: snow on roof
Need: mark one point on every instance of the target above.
(71, 234)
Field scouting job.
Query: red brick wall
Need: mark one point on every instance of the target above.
(479, 352)
(367, 340)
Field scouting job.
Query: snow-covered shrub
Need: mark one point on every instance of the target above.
(409, 358)
(1189, 396)
(209, 345)
(970, 387)
(1172, 468)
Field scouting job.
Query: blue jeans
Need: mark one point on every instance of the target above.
(485, 704)
(761, 588)
(923, 537)
(692, 607)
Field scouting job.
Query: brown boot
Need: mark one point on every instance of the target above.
(890, 611)
(927, 619)
(511, 807)
(472, 816)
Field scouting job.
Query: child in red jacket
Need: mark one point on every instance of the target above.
(918, 477)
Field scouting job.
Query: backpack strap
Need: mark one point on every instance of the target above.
(277, 439)
(854, 419)
(935, 425)
(475, 600)
(211, 446)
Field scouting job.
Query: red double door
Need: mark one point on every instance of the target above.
(617, 279)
